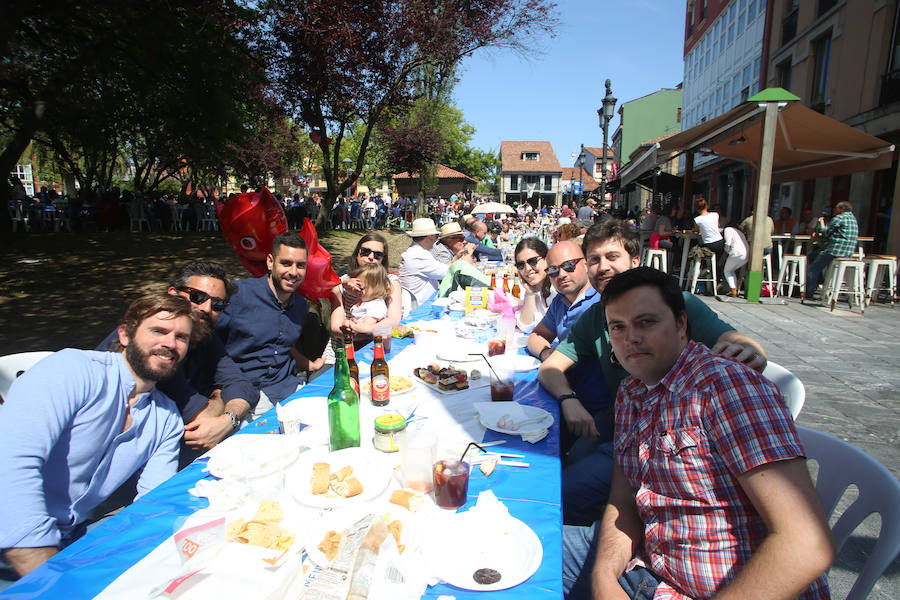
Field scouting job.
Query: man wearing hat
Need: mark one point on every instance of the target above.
(420, 272)
(451, 244)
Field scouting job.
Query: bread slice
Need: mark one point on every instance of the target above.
(348, 488)
(408, 499)
(341, 474)
(319, 477)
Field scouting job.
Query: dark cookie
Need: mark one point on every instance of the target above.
(486, 576)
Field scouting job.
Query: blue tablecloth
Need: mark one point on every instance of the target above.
(532, 495)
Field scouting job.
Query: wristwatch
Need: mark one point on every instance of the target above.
(235, 420)
(566, 397)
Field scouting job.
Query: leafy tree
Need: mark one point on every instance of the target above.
(336, 63)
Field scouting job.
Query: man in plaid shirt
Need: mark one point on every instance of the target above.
(840, 239)
(710, 493)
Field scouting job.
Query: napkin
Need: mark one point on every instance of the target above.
(513, 414)
(223, 494)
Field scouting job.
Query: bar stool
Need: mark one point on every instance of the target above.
(767, 274)
(879, 267)
(793, 272)
(840, 269)
(654, 257)
(696, 264)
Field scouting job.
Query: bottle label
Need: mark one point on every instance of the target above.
(354, 383)
(381, 388)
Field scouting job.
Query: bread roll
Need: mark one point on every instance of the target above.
(319, 478)
(341, 474)
(348, 488)
(408, 499)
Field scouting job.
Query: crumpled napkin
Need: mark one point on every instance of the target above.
(223, 494)
(509, 415)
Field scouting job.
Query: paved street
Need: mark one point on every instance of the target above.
(850, 366)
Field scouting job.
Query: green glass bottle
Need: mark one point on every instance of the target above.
(343, 407)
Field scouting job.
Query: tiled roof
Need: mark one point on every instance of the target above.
(511, 157)
(597, 151)
(443, 172)
(571, 174)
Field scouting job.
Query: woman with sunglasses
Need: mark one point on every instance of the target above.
(531, 263)
(371, 249)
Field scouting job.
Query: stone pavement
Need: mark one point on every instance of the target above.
(850, 366)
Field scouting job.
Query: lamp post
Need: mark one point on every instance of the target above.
(606, 114)
(348, 168)
(581, 158)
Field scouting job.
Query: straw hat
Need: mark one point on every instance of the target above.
(451, 228)
(422, 227)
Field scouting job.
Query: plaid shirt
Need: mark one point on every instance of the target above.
(682, 445)
(841, 235)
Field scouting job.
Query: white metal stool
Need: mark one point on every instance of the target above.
(879, 267)
(767, 274)
(793, 272)
(851, 270)
(696, 264)
(656, 258)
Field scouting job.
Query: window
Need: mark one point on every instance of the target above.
(731, 33)
(783, 74)
(789, 22)
(825, 6)
(751, 11)
(548, 183)
(703, 9)
(530, 155)
(822, 60)
(513, 182)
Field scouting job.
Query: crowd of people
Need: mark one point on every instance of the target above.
(682, 470)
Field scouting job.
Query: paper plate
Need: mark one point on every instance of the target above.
(515, 362)
(531, 412)
(373, 476)
(341, 520)
(456, 352)
(507, 546)
(227, 460)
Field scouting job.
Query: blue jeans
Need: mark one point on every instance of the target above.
(817, 263)
(579, 554)
(585, 482)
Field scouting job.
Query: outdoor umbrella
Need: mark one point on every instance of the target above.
(494, 208)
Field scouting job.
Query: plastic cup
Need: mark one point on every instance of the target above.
(289, 422)
(451, 483)
(502, 384)
(437, 311)
(264, 469)
(417, 456)
(385, 333)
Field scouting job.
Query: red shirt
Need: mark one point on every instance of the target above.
(682, 445)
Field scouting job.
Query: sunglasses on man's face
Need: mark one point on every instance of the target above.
(198, 297)
(378, 254)
(532, 262)
(567, 266)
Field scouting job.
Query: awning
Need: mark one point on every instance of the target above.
(639, 166)
(807, 144)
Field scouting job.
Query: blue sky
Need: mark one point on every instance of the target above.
(554, 96)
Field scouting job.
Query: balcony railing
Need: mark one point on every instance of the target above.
(890, 87)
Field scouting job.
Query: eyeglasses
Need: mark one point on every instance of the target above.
(567, 266)
(378, 254)
(532, 262)
(198, 297)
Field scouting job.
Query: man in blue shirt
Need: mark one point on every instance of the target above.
(264, 320)
(79, 423)
(211, 392)
(476, 231)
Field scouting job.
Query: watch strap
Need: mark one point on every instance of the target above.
(566, 397)
(235, 420)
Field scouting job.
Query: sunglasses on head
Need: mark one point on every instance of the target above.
(378, 254)
(198, 297)
(532, 262)
(567, 266)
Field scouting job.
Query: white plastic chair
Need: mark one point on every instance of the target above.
(13, 365)
(408, 302)
(790, 386)
(840, 466)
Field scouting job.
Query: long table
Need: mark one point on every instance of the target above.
(85, 568)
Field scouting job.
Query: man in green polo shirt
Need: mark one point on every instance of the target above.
(840, 238)
(611, 247)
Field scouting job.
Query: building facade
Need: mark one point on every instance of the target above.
(530, 172)
(645, 118)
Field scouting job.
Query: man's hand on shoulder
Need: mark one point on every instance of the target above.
(740, 348)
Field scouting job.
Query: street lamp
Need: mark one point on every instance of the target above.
(348, 167)
(606, 114)
(581, 158)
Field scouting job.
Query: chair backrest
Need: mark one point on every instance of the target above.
(790, 386)
(841, 465)
(13, 365)
(408, 302)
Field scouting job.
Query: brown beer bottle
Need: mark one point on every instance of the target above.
(381, 377)
(506, 284)
(351, 363)
(493, 282)
(516, 290)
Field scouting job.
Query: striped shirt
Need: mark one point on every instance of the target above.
(681, 445)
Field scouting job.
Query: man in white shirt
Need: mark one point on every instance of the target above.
(420, 272)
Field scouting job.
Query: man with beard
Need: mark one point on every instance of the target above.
(79, 423)
(264, 320)
(211, 392)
